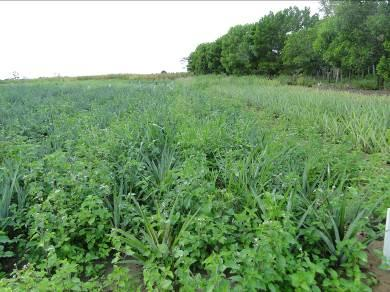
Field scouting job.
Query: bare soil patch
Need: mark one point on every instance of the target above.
(374, 262)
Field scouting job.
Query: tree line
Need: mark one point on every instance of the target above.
(351, 40)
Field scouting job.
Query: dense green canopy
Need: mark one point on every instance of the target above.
(349, 40)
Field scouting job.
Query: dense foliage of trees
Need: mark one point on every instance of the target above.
(352, 39)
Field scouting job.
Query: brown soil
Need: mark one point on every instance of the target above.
(382, 276)
(385, 92)
(135, 272)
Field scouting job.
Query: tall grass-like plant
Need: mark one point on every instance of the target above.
(115, 206)
(160, 237)
(6, 196)
(160, 166)
(251, 173)
(340, 223)
(330, 213)
(10, 187)
(158, 155)
(234, 146)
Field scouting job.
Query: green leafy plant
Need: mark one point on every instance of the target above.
(160, 241)
(160, 238)
(200, 183)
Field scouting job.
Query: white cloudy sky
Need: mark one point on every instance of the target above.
(83, 38)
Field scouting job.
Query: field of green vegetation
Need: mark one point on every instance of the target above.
(205, 183)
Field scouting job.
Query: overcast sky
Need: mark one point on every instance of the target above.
(85, 38)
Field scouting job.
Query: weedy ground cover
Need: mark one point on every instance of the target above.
(199, 184)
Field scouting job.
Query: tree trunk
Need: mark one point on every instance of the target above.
(380, 82)
(373, 69)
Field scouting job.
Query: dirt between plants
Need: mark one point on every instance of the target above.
(382, 276)
(385, 92)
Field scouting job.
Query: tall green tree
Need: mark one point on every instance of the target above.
(197, 61)
(378, 25)
(326, 34)
(237, 53)
(351, 40)
(384, 65)
(299, 55)
(327, 7)
(271, 34)
(213, 57)
(206, 59)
